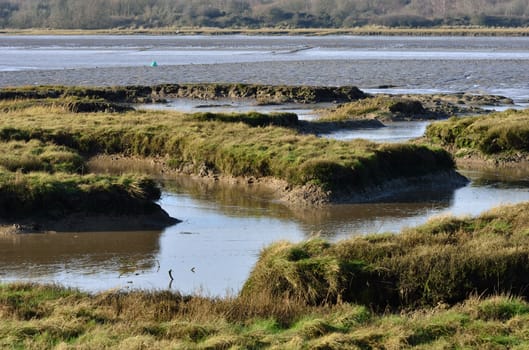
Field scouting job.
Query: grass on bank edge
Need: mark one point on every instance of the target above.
(443, 261)
(234, 149)
(497, 134)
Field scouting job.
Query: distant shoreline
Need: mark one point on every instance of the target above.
(361, 31)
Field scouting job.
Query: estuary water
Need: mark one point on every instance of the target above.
(496, 65)
(225, 227)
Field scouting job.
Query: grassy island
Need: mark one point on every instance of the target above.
(235, 145)
(451, 283)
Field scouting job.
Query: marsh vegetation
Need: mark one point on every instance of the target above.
(500, 137)
(236, 145)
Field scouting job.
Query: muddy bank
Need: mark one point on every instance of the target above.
(78, 222)
(263, 94)
(307, 195)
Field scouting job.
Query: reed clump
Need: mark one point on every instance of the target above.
(444, 261)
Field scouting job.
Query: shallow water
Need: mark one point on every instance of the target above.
(481, 65)
(224, 229)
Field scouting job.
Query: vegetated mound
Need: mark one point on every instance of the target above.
(500, 136)
(381, 107)
(444, 261)
(42, 201)
(225, 144)
(264, 94)
(389, 108)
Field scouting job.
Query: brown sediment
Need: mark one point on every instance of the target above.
(81, 222)
(307, 195)
(263, 94)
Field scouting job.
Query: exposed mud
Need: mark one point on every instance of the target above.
(90, 223)
(308, 195)
(263, 94)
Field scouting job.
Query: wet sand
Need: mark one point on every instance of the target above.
(443, 75)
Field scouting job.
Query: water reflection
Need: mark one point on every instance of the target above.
(92, 260)
(392, 132)
(186, 105)
(224, 229)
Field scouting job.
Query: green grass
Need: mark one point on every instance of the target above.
(384, 108)
(495, 134)
(50, 317)
(38, 156)
(444, 261)
(230, 148)
(38, 194)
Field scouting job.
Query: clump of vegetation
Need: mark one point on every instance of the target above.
(69, 104)
(495, 134)
(251, 118)
(384, 108)
(444, 261)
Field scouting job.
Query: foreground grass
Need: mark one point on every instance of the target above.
(50, 317)
(498, 135)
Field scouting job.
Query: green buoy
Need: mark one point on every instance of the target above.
(154, 64)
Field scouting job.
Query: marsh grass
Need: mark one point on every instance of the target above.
(39, 194)
(494, 134)
(444, 261)
(47, 317)
(38, 156)
(384, 108)
(226, 144)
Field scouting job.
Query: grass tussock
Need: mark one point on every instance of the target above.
(45, 317)
(444, 261)
(495, 134)
(251, 118)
